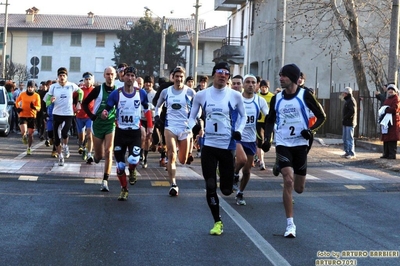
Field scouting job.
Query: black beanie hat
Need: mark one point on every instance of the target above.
(221, 65)
(291, 71)
(62, 70)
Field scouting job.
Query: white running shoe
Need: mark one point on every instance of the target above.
(61, 162)
(104, 186)
(290, 231)
(66, 151)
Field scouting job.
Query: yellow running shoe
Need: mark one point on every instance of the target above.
(24, 139)
(28, 151)
(123, 196)
(217, 229)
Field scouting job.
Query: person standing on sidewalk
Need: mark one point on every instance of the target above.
(390, 122)
(103, 129)
(289, 110)
(349, 122)
(28, 103)
(128, 102)
(246, 148)
(177, 99)
(220, 135)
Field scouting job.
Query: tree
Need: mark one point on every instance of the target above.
(21, 71)
(140, 46)
(362, 25)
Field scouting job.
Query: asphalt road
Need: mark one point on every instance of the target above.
(53, 215)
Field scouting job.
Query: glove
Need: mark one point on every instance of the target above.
(158, 122)
(33, 107)
(266, 145)
(306, 133)
(93, 117)
(236, 135)
(19, 110)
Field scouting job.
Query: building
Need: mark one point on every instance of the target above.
(80, 43)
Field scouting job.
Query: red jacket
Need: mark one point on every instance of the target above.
(394, 109)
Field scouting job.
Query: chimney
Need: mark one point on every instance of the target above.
(90, 18)
(30, 14)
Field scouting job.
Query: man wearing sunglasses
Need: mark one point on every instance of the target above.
(177, 99)
(221, 132)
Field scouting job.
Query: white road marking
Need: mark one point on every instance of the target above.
(11, 166)
(263, 245)
(352, 175)
(28, 178)
(311, 177)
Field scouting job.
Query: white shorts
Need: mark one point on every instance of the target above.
(181, 132)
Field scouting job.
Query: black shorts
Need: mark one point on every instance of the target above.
(30, 121)
(295, 157)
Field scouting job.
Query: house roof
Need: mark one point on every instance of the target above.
(217, 33)
(81, 22)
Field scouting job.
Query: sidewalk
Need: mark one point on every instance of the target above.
(367, 152)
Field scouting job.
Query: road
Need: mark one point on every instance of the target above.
(52, 215)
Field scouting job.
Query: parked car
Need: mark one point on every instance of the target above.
(6, 109)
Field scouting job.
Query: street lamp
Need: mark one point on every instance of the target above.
(163, 35)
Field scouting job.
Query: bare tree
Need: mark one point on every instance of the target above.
(21, 71)
(357, 26)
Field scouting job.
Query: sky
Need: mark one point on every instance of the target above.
(181, 8)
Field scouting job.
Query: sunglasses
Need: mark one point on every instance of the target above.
(222, 72)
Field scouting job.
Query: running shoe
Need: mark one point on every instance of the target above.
(80, 150)
(54, 154)
(240, 199)
(47, 143)
(262, 166)
(162, 162)
(174, 190)
(24, 139)
(61, 162)
(66, 151)
(51, 142)
(144, 163)
(28, 151)
(132, 177)
(84, 155)
(344, 155)
(104, 186)
(218, 229)
(290, 231)
(235, 186)
(275, 170)
(89, 160)
(123, 196)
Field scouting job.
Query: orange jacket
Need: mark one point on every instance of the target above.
(24, 101)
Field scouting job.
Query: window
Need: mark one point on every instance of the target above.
(47, 38)
(46, 63)
(76, 38)
(75, 64)
(100, 39)
(99, 64)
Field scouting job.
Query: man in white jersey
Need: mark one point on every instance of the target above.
(246, 148)
(218, 103)
(128, 101)
(61, 95)
(289, 109)
(177, 133)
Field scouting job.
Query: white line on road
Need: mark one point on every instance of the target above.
(352, 175)
(263, 245)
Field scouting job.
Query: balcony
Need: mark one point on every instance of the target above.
(219, 5)
(234, 2)
(231, 51)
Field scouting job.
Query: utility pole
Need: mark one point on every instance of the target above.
(3, 63)
(162, 52)
(394, 44)
(196, 42)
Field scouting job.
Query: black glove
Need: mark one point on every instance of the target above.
(19, 110)
(306, 133)
(236, 135)
(266, 145)
(93, 117)
(158, 122)
(33, 107)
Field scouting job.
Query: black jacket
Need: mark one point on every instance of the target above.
(349, 111)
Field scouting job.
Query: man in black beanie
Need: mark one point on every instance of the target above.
(292, 135)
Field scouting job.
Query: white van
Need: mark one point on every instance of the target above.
(6, 109)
